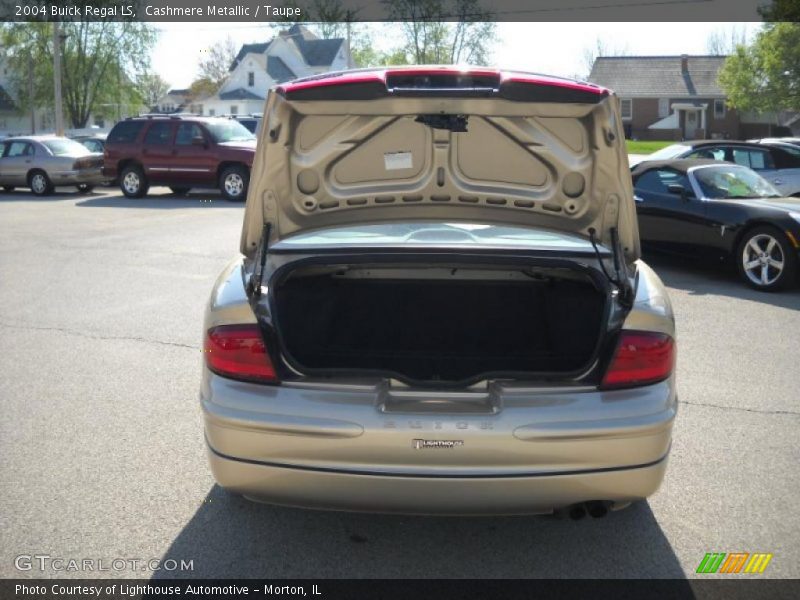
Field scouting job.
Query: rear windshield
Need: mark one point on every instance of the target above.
(65, 147)
(668, 152)
(125, 131)
(229, 131)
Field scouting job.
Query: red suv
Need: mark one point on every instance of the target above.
(181, 152)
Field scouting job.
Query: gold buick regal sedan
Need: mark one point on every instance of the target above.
(439, 306)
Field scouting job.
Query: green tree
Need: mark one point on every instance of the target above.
(765, 76)
(781, 10)
(151, 87)
(101, 60)
(202, 88)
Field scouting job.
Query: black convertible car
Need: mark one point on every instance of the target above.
(708, 209)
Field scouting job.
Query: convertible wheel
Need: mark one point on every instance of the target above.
(132, 182)
(233, 184)
(767, 260)
(40, 183)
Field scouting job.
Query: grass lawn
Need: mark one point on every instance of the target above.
(645, 147)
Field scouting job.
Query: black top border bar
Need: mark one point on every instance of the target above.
(276, 11)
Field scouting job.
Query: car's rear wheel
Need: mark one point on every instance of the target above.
(233, 183)
(766, 259)
(40, 183)
(180, 191)
(132, 182)
(84, 188)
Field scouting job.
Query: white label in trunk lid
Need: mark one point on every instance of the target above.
(397, 160)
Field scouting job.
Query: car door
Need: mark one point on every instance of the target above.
(194, 160)
(669, 220)
(17, 161)
(3, 147)
(157, 151)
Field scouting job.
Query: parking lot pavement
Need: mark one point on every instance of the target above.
(101, 300)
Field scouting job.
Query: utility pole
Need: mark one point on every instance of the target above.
(57, 77)
(30, 94)
(349, 49)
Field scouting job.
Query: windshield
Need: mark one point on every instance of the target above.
(669, 152)
(732, 182)
(229, 131)
(65, 147)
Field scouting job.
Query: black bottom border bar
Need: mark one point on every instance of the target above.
(391, 589)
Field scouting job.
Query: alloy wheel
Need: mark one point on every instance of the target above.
(234, 185)
(38, 183)
(763, 260)
(131, 182)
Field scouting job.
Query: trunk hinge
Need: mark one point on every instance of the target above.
(621, 278)
(257, 276)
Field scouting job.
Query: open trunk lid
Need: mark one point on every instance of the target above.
(442, 144)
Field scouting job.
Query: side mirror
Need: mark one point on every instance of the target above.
(199, 141)
(678, 190)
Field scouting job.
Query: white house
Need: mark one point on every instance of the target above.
(174, 101)
(293, 53)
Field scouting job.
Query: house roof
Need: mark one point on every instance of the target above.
(278, 70)
(659, 76)
(316, 52)
(239, 94)
(319, 53)
(178, 92)
(6, 103)
(246, 49)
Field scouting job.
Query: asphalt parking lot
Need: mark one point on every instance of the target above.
(101, 301)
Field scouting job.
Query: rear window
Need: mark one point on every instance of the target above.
(755, 159)
(125, 132)
(672, 151)
(65, 147)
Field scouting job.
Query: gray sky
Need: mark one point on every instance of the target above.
(552, 48)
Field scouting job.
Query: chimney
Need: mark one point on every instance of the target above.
(684, 63)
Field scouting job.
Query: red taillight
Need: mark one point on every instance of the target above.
(238, 352)
(641, 358)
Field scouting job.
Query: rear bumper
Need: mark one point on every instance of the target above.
(344, 449)
(482, 495)
(90, 176)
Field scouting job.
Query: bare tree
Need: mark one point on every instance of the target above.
(216, 63)
(152, 87)
(600, 48)
(724, 41)
(430, 39)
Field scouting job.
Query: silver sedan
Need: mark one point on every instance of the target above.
(44, 162)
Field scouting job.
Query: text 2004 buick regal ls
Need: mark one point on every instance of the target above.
(440, 307)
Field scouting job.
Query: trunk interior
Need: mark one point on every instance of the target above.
(438, 324)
